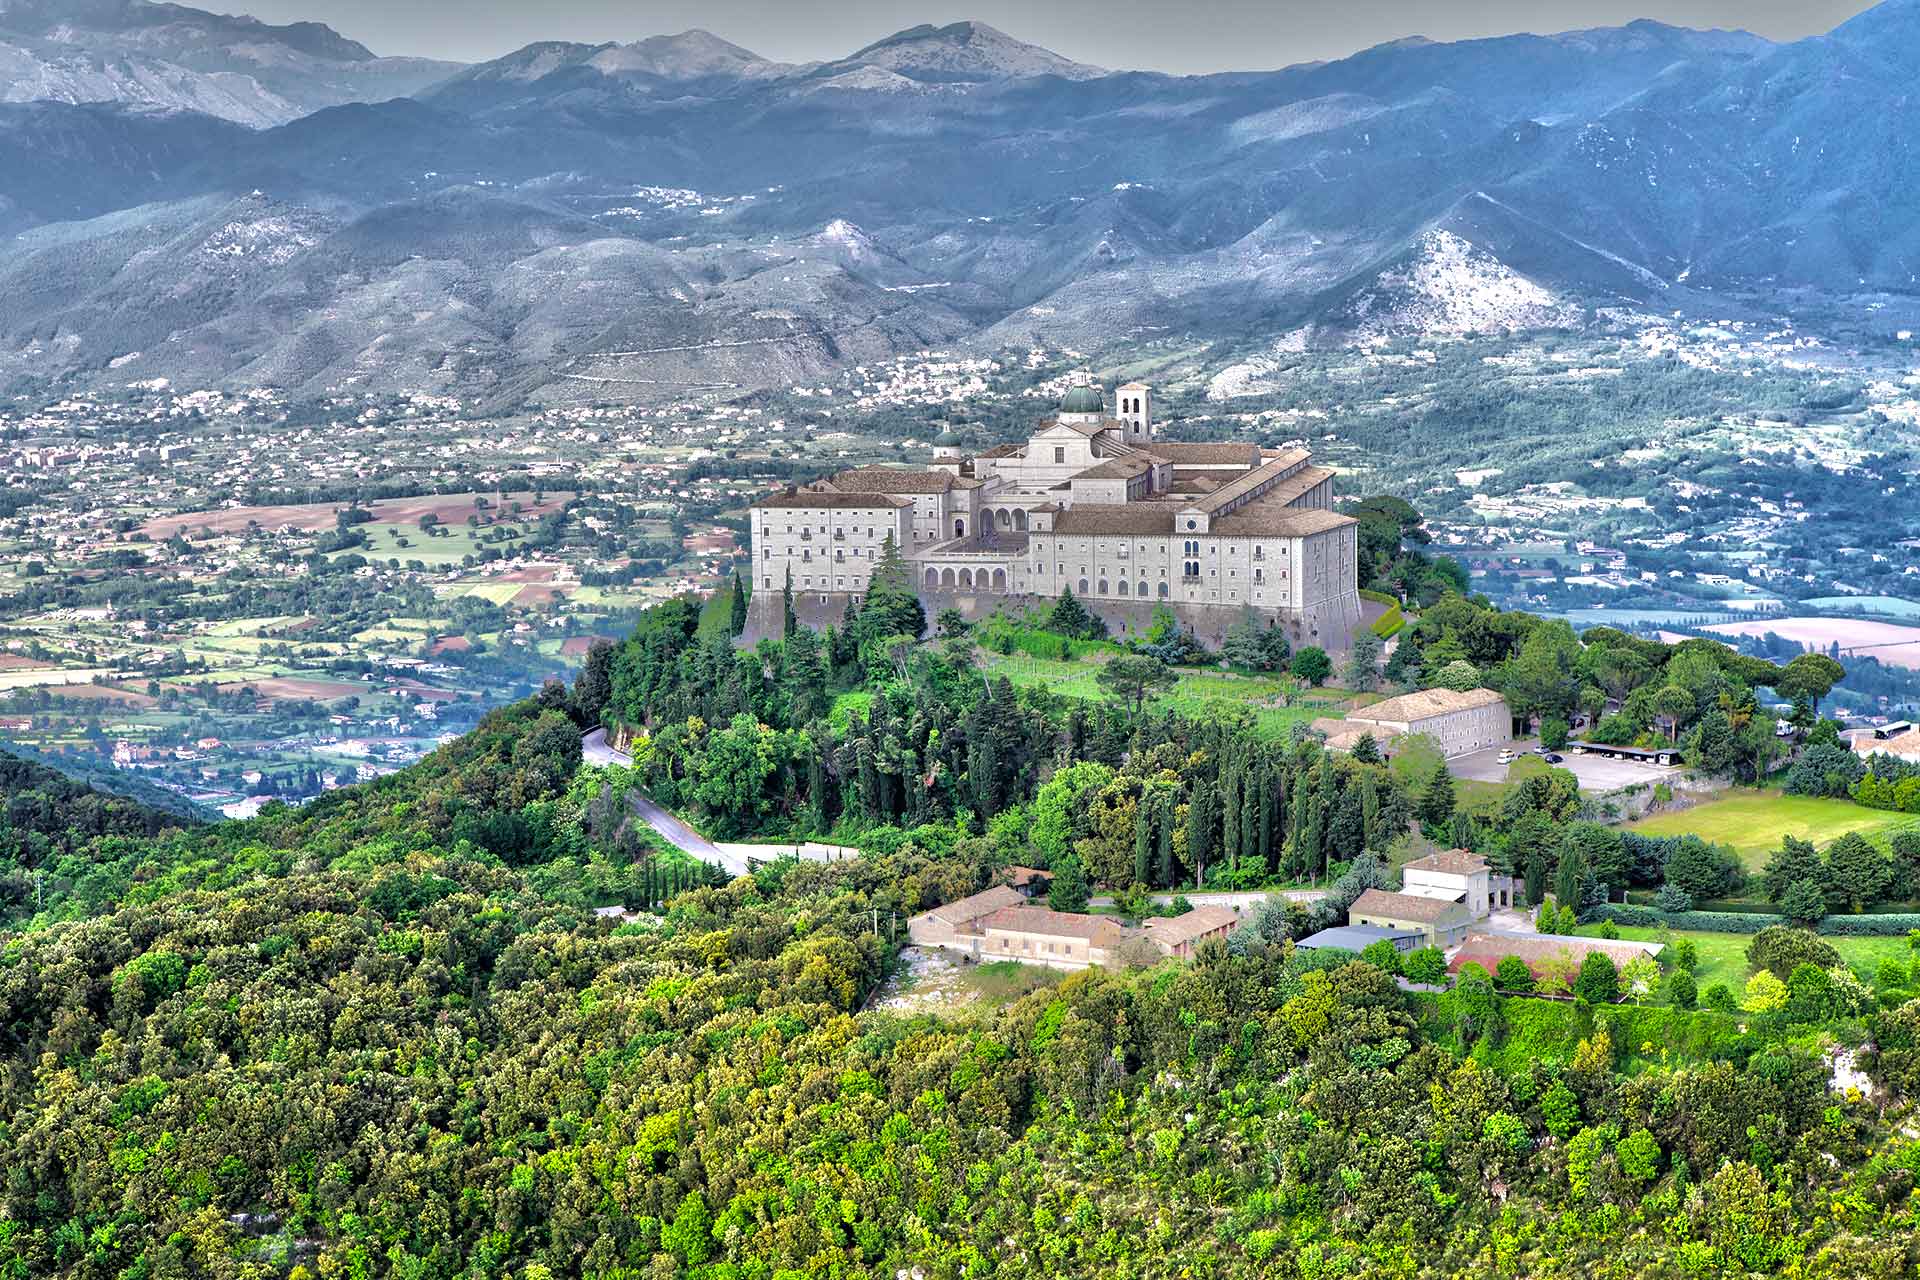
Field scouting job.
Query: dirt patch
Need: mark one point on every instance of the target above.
(577, 646)
(534, 597)
(294, 687)
(101, 693)
(19, 662)
(450, 644)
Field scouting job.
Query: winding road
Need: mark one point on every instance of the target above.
(594, 750)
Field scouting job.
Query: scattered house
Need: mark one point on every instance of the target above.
(998, 924)
(1358, 937)
(1179, 935)
(1539, 951)
(954, 926)
(1462, 876)
(1057, 939)
(1438, 922)
(1461, 723)
(1029, 882)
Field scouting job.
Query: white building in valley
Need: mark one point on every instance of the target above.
(1091, 503)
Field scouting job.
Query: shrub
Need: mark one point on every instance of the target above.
(1682, 992)
(1672, 899)
(1427, 965)
(1686, 954)
(1512, 974)
(1599, 980)
(1382, 955)
(1719, 997)
(1781, 950)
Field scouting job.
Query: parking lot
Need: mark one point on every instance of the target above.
(1597, 774)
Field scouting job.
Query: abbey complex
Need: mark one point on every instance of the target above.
(1091, 503)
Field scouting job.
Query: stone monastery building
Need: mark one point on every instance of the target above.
(1092, 502)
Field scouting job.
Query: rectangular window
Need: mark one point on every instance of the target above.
(1059, 455)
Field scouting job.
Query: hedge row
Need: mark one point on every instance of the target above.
(1880, 926)
(1389, 624)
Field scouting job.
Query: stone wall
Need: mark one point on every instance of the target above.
(1334, 621)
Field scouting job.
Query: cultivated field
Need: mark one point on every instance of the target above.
(1895, 645)
(1752, 823)
(313, 517)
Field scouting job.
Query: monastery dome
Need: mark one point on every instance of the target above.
(1083, 399)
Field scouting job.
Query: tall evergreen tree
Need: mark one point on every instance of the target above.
(789, 621)
(737, 609)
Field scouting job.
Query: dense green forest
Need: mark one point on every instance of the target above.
(387, 1034)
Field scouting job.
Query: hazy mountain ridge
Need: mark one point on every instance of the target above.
(952, 184)
(168, 56)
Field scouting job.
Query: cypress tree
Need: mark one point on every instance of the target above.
(737, 619)
(1200, 830)
(1163, 834)
(789, 622)
(1143, 837)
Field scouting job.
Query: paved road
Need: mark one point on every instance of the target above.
(594, 750)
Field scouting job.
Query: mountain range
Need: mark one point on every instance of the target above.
(380, 223)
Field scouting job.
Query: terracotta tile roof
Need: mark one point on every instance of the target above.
(1001, 451)
(892, 480)
(1404, 906)
(972, 908)
(1101, 931)
(832, 501)
(1263, 519)
(1425, 704)
(1453, 862)
(1905, 745)
(1285, 480)
(1183, 453)
(1487, 949)
(1122, 468)
(1197, 923)
(1115, 517)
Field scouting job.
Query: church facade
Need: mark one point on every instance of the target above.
(1091, 503)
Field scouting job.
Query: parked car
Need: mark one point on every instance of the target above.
(1553, 758)
(1506, 757)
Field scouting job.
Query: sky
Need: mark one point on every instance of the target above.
(1176, 36)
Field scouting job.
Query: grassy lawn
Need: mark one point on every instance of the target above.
(1197, 695)
(1723, 956)
(1753, 822)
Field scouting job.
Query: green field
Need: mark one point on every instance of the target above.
(383, 543)
(1198, 695)
(1723, 956)
(1753, 822)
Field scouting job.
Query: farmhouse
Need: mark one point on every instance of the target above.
(955, 925)
(1179, 935)
(1439, 923)
(1461, 723)
(1458, 875)
(1092, 503)
(998, 925)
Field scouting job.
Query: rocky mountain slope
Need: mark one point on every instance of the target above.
(518, 220)
(168, 56)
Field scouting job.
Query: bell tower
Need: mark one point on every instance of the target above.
(1133, 405)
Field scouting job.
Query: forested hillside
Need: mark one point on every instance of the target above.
(58, 834)
(386, 1035)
